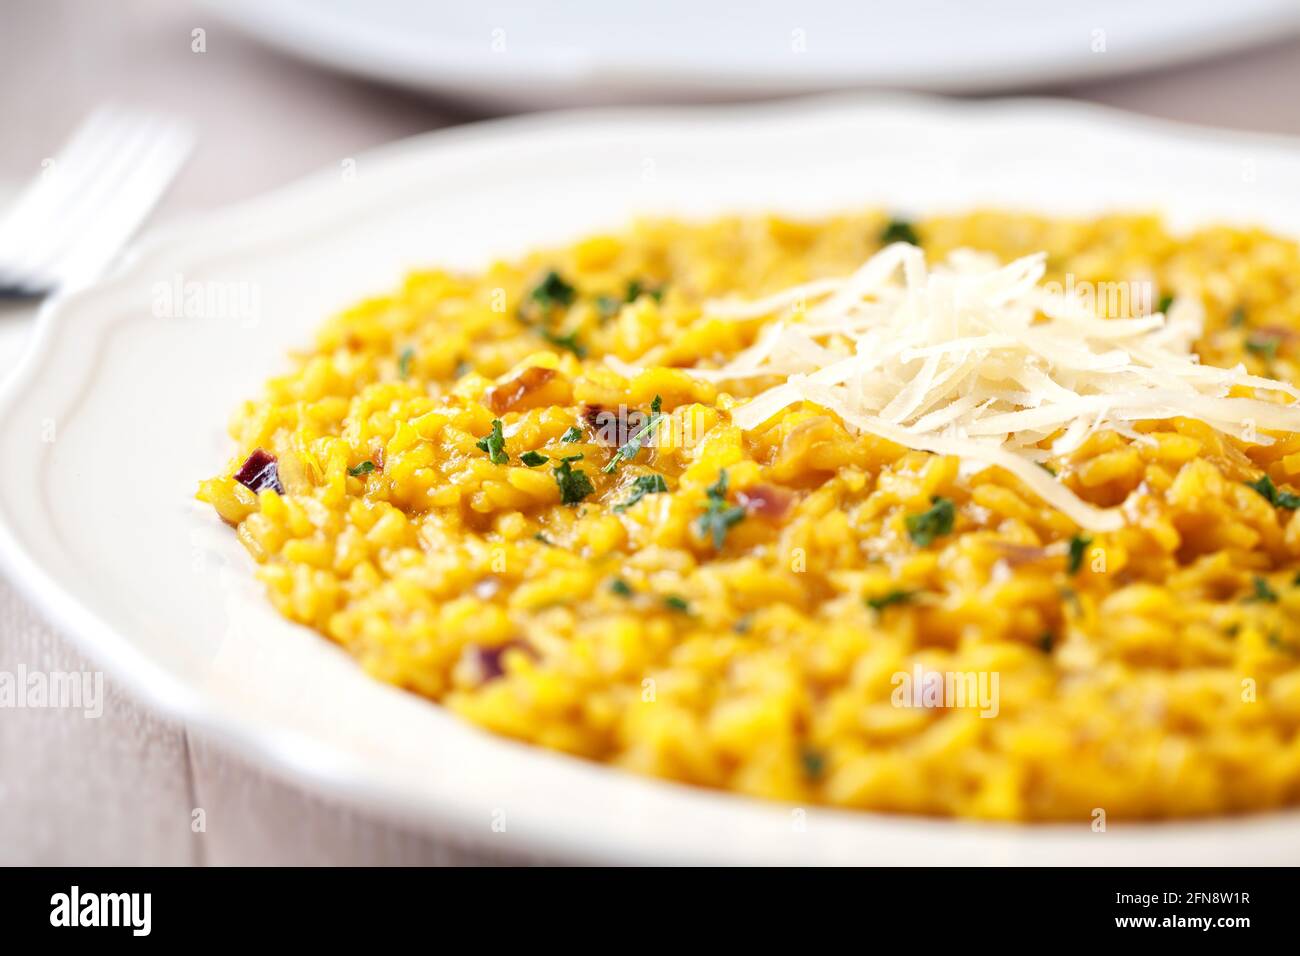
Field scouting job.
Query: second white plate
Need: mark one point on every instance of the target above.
(579, 52)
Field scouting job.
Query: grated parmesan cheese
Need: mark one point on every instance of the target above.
(978, 360)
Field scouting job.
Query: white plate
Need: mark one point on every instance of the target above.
(118, 411)
(513, 53)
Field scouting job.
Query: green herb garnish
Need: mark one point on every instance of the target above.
(607, 307)
(1165, 302)
(1237, 318)
(553, 291)
(404, 362)
(890, 598)
(928, 525)
(574, 485)
(620, 587)
(533, 458)
(1278, 499)
(494, 444)
(573, 434)
(813, 762)
(899, 230)
(1265, 348)
(1263, 593)
(1047, 468)
(1046, 641)
(1275, 641)
(636, 288)
(569, 342)
(540, 536)
(718, 517)
(1078, 548)
(675, 603)
(365, 468)
(644, 485)
(632, 447)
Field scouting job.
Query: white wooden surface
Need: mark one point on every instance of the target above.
(123, 788)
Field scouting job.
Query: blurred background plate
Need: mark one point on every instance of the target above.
(521, 54)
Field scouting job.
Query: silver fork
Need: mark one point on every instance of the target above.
(68, 224)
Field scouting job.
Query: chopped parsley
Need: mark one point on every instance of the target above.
(620, 587)
(365, 468)
(553, 291)
(813, 762)
(568, 342)
(1278, 499)
(743, 624)
(636, 288)
(404, 362)
(632, 447)
(1263, 593)
(675, 603)
(1237, 318)
(494, 444)
(541, 536)
(607, 307)
(1275, 641)
(1165, 302)
(923, 528)
(718, 517)
(1046, 641)
(1265, 348)
(644, 485)
(1047, 468)
(890, 598)
(1078, 548)
(533, 458)
(899, 230)
(574, 485)
(573, 434)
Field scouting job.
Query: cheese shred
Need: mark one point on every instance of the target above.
(983, 361)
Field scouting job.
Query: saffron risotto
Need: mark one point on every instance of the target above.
(734, 608)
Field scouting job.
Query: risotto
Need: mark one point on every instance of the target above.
(536, 496)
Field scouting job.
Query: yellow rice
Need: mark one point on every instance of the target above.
(1159, 679)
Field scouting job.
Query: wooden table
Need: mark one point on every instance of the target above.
(123, 788)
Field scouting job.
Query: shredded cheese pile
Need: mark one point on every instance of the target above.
(978, 360)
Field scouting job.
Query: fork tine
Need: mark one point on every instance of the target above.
(127, 207)
(111, 173)
(49, 188)
(45, 219)
(103, 168)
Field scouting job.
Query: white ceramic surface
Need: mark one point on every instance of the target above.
(117, 411)
(579, 52)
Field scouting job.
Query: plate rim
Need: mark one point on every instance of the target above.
(452, 71)
(299, 759)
